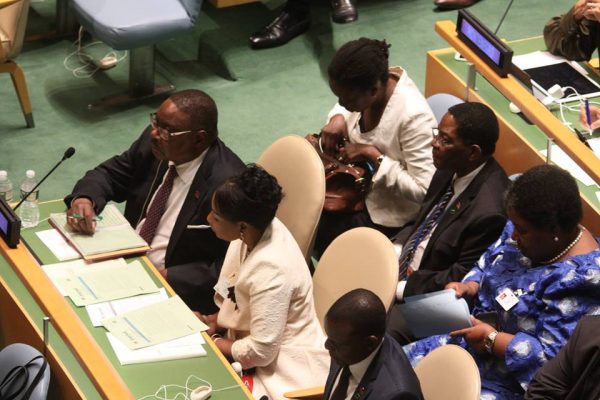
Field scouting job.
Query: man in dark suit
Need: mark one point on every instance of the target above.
(167, 177)
(462, 213)
(365, 363)
(574, 374)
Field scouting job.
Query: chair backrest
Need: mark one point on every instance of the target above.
(299, 171)
(19, 354)
(441, 102)
(449, 372)
(13, 21)
(359, 258)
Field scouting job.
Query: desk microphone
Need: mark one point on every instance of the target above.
(68, 153)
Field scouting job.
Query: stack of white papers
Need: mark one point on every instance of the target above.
(111, 281)
(159, 322)
(435, 313)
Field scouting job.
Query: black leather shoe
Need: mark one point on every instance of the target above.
(343, 11)
(453, 4)
(283, 29)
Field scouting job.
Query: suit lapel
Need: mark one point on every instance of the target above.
(198, 193)
(365, 386)
(460, 205)
(334, 370)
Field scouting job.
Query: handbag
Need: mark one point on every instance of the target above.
(346, 185)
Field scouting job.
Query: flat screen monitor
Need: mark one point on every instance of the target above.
(484, 43)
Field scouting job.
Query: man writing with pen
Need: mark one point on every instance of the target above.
(167, 178)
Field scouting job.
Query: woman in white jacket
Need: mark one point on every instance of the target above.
(267, 317)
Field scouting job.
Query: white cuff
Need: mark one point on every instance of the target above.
(400, 290)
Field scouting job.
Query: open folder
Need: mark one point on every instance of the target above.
(435, 313)
(114, 236)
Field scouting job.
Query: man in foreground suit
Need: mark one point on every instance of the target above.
(167, 177)
(574, 374)
(462, 213)
(365, 363)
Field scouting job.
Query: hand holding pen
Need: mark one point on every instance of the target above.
(589, 117)
(81, 217)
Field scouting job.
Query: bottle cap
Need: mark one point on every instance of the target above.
(3, 174)
(30, 173)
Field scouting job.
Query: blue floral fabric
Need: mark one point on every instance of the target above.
(552, 299)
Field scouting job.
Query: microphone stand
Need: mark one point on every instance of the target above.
(67, 154)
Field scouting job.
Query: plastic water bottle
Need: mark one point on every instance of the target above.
(6, 187)
(29, 211)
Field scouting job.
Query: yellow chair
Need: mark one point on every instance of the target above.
(13, 20)
(299, 171)
(449, 372)
(358, 258)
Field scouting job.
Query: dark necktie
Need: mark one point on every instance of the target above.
(430, 221)
(157, 208)
(342, 387)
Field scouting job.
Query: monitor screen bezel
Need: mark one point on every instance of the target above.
(503, 67)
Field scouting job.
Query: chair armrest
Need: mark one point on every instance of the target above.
(309, 393)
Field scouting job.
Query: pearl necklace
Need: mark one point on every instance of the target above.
(566, 250)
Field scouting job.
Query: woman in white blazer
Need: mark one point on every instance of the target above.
(267, 318)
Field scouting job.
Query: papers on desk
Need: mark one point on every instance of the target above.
(90, 283)
(160, 322)
(57, 272)
(562, 159)
(114, 236)
(435, 313)
(184, 347)
(110, 309)
(57, 244)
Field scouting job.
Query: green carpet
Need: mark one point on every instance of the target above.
(277, 91)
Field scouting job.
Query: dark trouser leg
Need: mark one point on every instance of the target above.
(397, 326)
(332, 225)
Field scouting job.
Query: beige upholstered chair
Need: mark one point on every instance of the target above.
(449, 372)
(358, 258)
(299, 171)
(13, 20)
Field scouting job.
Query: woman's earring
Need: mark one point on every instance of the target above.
(556, 238)
(242, 227)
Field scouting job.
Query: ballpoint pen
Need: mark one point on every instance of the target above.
(79, 216)
(588, 115)
(582, 138)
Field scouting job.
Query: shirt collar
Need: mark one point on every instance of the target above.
(359, 369)
(187, 170)
(459, 184)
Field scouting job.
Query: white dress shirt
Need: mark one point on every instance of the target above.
(357, 371)
(459, 184)
(181, 186)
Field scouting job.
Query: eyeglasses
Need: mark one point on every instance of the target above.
(164, 132)
(438, 138)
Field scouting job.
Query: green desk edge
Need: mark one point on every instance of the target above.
(142, 379)
(499, 103)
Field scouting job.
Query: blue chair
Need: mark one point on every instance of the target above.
(136, 26)
(441, 102)
(23, 370)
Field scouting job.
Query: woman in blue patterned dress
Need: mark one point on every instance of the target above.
(538, 280)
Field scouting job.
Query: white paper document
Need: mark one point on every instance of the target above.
(157, 323)
(57, 244)
(96, 285)
(562, 159)
(57, 272)
(101, 311)
(184, 347)
(435, 313)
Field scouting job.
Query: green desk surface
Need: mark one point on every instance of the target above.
(142, 379)
(499, 103)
